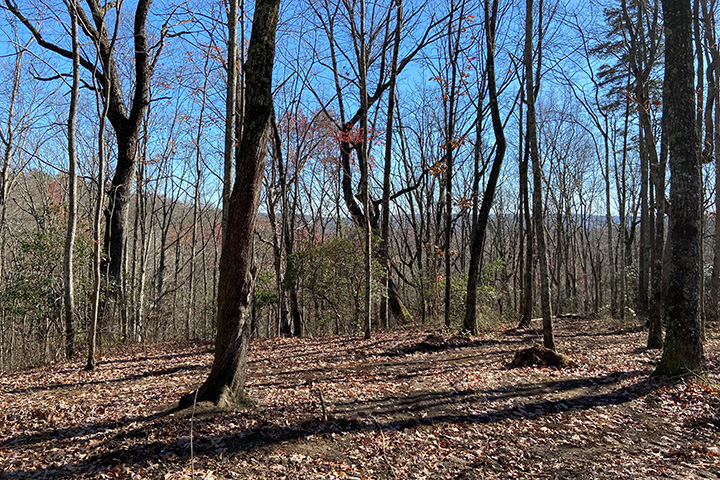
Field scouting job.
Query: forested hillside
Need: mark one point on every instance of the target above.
(505, 177)
(426, 165)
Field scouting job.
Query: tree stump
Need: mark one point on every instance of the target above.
(539, 356)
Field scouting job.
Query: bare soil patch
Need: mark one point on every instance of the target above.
(395, 408)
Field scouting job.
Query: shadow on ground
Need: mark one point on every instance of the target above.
(142, 443)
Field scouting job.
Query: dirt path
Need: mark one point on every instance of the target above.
(394, 410)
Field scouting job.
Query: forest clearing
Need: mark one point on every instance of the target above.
(395, 408)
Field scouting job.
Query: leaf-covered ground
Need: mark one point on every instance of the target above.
(394, 409)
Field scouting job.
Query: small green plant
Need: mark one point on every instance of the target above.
(33, 290)
(330, 280)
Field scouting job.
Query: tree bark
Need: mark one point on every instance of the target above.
(230, 107)
(72, 188)
(225, 385)
(538, 213)
(683, 351)
(478, 233)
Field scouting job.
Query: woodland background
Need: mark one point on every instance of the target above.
(599, 68)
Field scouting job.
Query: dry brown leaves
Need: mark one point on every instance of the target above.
(394, 411)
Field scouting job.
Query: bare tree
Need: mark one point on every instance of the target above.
(350, 137)
(230, 105)
(538, 210)
(15, 129)
(72, 185)
(125, 120)
(683, 350)
(225, 384)
(478, 231)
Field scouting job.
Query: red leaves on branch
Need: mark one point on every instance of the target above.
(356, 136)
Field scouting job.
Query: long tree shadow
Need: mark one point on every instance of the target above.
(139, 453)
(606, 333)
(433, 401)
(203, 349)
(68, 433)
(416, 368)
(127, 378)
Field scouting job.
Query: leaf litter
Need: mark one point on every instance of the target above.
(394, 408)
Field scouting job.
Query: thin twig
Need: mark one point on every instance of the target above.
(382, 446)
(192, 451)
(322, 404)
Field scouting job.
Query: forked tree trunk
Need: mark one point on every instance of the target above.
(125, 117)
(225, 386)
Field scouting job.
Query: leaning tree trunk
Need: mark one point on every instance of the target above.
(478, 233)
(225, 386)
(683, 351)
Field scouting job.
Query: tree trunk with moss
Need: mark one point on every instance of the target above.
(683, 350)
(225, 386)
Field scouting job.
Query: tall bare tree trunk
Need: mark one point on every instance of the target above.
(538, 213)
(365, 171)
(453, 39)
(387, 170)
(478, 233)
(72, 188)
(230, 108)
(7, 137)
(683, 350)
(97, 228)
(191, 312)
(657, 303)
(225, 384)
(526, 302)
